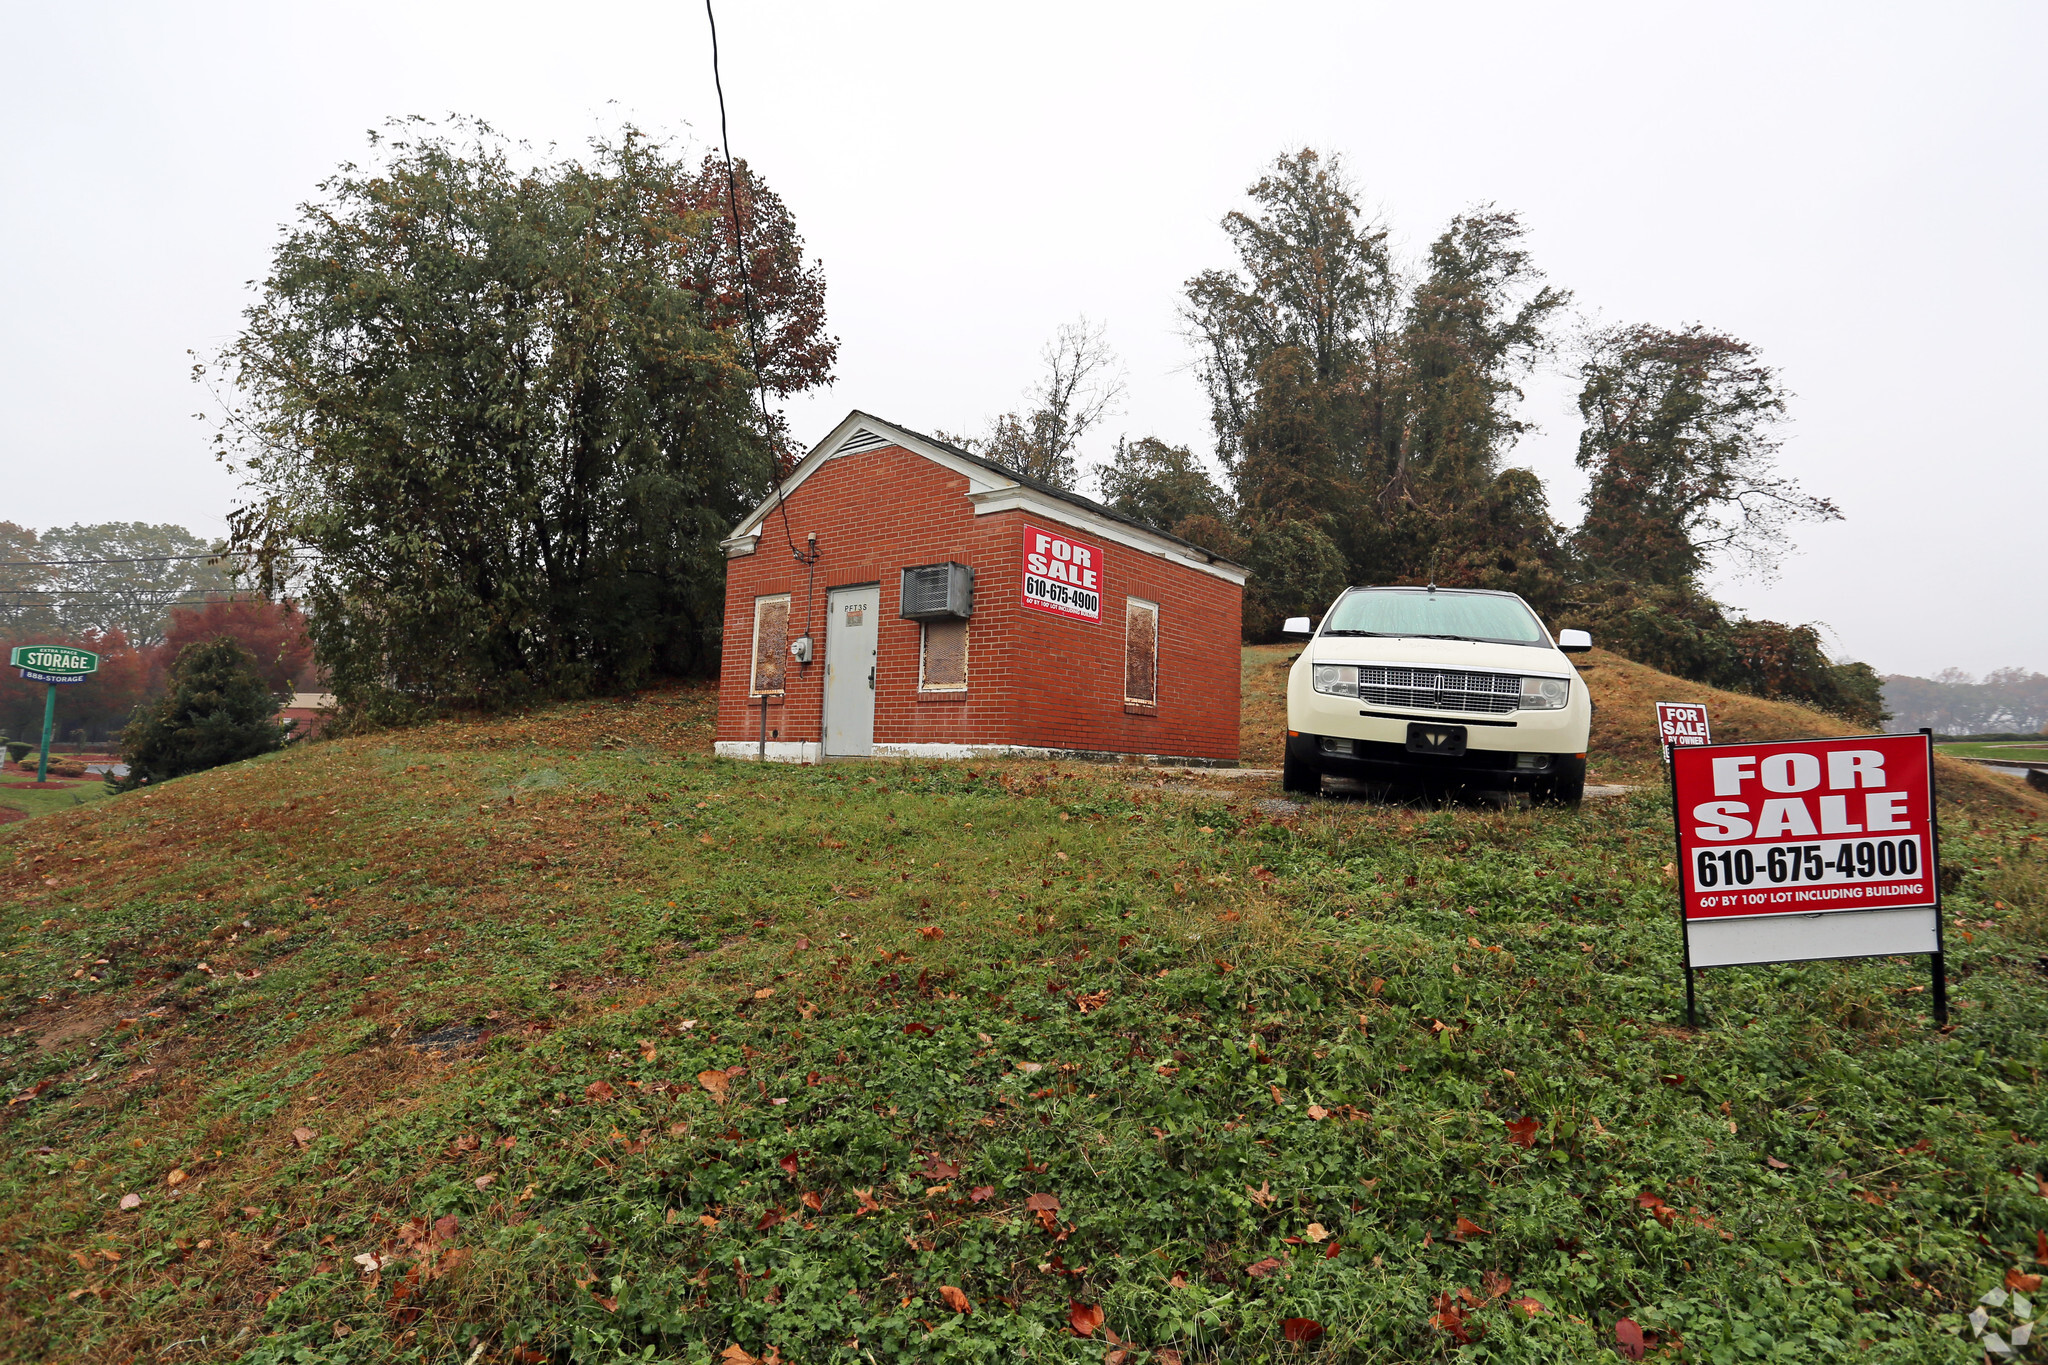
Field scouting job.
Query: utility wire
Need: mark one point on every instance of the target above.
(739, 238)
(215, 556)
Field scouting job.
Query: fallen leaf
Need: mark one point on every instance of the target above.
(789, 1164)
(175, 1178)
(814, 1201)
(1263, 1196)
(1300, 1330)
(1628, 1339)
(1527, 1305)
(1318, 1113)
(1522, 1131)
(1673, 1080)
(932, 932)
(597, 1092)
(1259, 1270)
(717, 1082)
(303, 1136)
(1330, 1251)
(483, 1182)
(764, 992)
(1468, 1228)
(1776, 1164)
(647, 1050)
(1495, 1284)
(736, 1355)
(1316, 1232)
(955, 1300)
(981, 1194)
(2020, 1282)
(131, 1201)
(915, 1027)
(868, 1203)
(1084, 1318)
(1047, 1203)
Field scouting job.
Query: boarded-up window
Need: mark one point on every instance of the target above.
(1141, 652)
(771, 643)
(945, 656)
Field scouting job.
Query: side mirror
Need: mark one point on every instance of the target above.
(1297, 625)
(1574, 641)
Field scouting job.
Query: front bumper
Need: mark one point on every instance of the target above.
(1483, 769)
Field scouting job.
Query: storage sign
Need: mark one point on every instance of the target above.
(54, 663)
(1062, 575)
(1682, 723)
(1806, 849)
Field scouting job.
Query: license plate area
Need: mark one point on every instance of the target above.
(1429, 737)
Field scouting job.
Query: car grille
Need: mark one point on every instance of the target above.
(1432, 689)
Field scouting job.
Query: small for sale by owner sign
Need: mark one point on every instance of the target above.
(1803, 849)
(1062, 575)
(1682, 722)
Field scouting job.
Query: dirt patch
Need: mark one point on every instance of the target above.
(42, 786)
(8, 814)
(55, 1026)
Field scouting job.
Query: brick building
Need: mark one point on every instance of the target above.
(902, 597)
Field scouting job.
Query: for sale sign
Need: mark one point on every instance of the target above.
(1682, 722)
(1806, 849)
(1062, 575)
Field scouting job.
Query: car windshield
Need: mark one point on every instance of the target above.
(1439, 615)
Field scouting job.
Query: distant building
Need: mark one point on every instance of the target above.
(954, 608)
(312, 711)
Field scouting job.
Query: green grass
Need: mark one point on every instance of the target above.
(2016, 752)
(1133, 999)
(83, 792)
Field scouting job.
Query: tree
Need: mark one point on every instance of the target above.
(99, 706)
(216, 711)
(1081, 384)
(1310, 278)
(126, 575)
(273, 633)
(1295, 571)
(1160, 484)
(510, 410)
(1476, 324)
(27, 602)
(1681, 444)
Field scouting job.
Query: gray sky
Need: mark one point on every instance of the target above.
(1856, 189)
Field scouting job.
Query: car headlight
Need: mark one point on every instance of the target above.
(1544, 694)
(1339, 680)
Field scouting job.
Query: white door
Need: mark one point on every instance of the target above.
(851, 629)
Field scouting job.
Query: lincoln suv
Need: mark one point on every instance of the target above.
(1450, 687)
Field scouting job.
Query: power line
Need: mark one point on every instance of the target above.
(213, 556)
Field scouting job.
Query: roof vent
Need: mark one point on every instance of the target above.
(862, 439)
(936, 592)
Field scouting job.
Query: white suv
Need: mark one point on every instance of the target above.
(1450, 686)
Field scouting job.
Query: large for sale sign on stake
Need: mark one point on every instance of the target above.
(1062, 575)
(1805, 849)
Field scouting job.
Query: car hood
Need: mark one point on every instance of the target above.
(1477, 654)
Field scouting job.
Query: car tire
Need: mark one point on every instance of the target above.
(1567, 788)
(1298, 772)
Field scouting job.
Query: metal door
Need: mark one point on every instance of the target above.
(852, 625)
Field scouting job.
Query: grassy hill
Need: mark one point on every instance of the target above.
(552, 1038)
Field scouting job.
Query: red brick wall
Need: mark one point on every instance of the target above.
(1033, 679)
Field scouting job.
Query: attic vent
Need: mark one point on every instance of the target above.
(862, 439)
(936, 592)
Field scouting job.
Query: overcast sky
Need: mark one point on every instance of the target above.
(1855, 189)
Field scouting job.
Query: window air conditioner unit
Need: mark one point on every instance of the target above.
(937, 592)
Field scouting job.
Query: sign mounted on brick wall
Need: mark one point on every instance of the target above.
(1062, 575)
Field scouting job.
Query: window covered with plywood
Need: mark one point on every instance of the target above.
(1141, 652)
(771, 644)
(945, 657)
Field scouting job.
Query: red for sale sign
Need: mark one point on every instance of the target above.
(1062, 575)
(1682, 722)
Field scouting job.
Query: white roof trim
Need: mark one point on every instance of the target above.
(987, 490)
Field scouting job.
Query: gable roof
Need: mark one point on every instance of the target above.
(991, 487)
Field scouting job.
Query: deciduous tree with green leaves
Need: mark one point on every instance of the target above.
(508, 405)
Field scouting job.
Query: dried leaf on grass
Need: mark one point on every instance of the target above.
(1085, 1318)
(1300, 1330)
(955, 1299)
